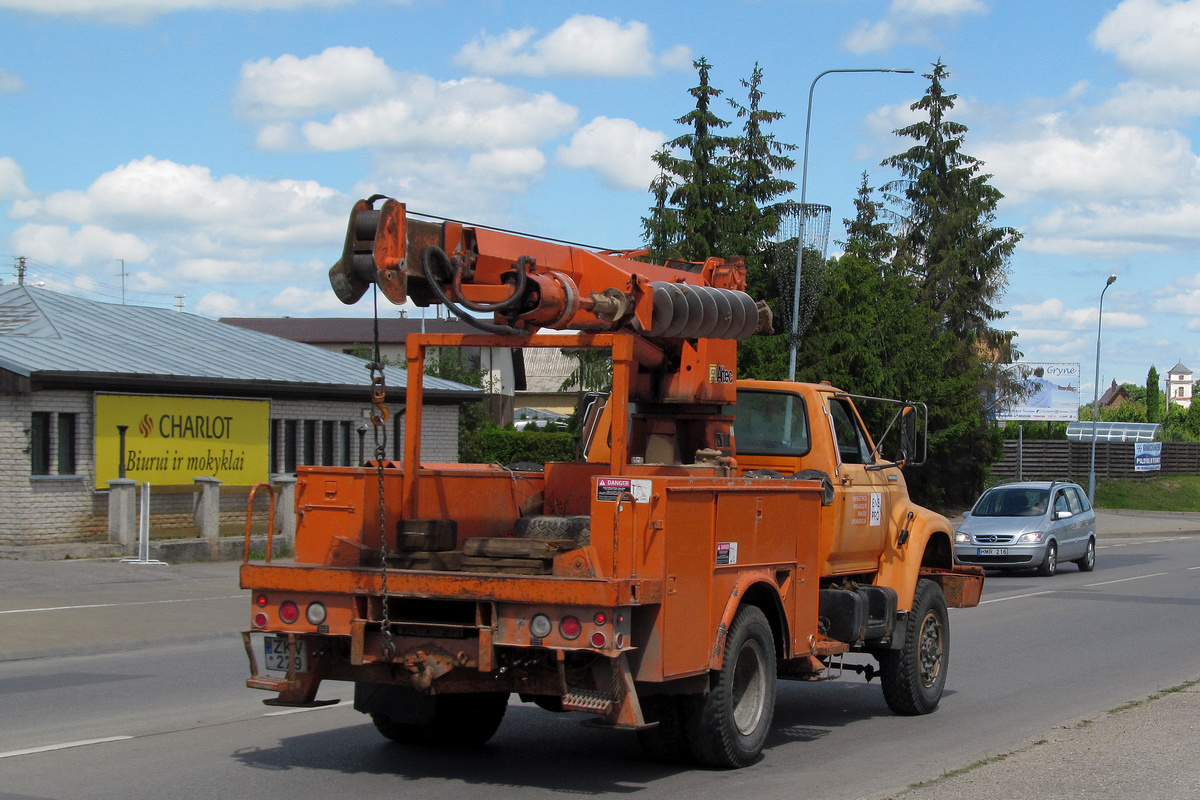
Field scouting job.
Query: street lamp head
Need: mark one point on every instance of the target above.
(1111, 278)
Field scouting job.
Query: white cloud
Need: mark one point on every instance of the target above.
(140, 11)
(934, 8)
(1154, 39)
(12, 180)
(618, 149)
(90, 244)
(288, 87)
(584, 45)
(10, 83)
(470, 114)
(1054, 310)
(1137, 103)
(870, 37)
(1109, 163)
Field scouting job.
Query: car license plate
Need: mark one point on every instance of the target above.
(993, 551)
(275, 654)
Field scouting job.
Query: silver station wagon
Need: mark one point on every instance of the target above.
(1030, 525)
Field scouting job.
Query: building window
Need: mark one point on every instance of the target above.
(273, 446)
(310, 441)
(290, 431)
(39, 443)
(347, 443)
(66, 444)
(327, 443)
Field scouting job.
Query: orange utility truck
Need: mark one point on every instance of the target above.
(715, 536)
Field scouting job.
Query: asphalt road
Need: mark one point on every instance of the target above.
(167, 717)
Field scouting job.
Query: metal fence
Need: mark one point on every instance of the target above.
(1048, 460)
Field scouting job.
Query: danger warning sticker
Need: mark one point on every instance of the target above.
(726, 553)
(610, 490)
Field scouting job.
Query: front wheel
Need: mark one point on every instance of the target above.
(913, 676)
(1088, 562)
(728, 726)
(1049, 564)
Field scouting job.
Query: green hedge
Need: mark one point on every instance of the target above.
(502, 446)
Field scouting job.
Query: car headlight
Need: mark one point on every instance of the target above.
(962, 537)
(1034, 537)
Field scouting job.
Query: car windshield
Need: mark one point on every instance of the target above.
(1012, 502)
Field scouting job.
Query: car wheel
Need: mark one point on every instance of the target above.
(1049, 564)
(728, 726)
(1088, 562)
(913, 676)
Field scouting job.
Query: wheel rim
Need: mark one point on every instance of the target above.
(931, 650)
(1091, 554)
(1052, 559)
(749, 688)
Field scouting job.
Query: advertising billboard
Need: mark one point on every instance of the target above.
(1051, 392)
(170, 440)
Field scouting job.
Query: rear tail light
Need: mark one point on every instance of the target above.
(261, 601)
(260, 620)
(289, 612)
(570, 627)
(599, 639)
(315, 613)
(540, 626)
(601, 618)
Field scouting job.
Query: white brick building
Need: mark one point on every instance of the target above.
(58, 353)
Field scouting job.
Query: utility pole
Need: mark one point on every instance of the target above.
(179, 302)
(123, 274)
(20, 270)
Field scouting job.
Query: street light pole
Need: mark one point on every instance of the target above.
(804, 213)
(1096, 394)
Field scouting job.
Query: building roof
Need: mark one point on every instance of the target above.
(49, 337)
(1179, 369)
(1112, 394)
(346, 330)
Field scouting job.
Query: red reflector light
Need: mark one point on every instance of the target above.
(599, 639)
(261, 600)
(289, 612)
(570, 627)
(601, 618)
(260, 620)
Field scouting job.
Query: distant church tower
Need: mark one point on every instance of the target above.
(1179, 386)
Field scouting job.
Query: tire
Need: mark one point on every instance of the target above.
(459, 720)
(1049, 564)
(667, 741)
(728, 727)
(577, 528)
(1088, 562)
(913, 676)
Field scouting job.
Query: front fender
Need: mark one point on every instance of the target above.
(915, 532)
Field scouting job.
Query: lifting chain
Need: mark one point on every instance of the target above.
(379, 415)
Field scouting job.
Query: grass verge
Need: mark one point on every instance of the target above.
(1173, 493)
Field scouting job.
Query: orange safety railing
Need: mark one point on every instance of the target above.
(270, 521)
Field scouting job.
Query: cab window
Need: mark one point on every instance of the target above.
(770, 423)
(851, 441)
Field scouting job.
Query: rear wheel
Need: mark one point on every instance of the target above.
(913, 676)
(1049, 564)
(728, 726)
(1088, 562)
(459, 720)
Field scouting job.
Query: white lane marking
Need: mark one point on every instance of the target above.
(64, 746)
(1015, 597)
(286, 711)
(1122, 580)
(138, 603)
(1192, 568)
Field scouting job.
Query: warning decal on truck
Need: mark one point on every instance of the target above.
(726, 553)
(611, 490)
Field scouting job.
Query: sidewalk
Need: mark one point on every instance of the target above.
(1145, 750)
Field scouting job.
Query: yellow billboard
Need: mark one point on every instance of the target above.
(171, 440)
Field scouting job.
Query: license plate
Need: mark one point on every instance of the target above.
(993, 551)
(275, 654)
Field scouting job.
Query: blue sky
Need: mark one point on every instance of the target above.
(215, 146)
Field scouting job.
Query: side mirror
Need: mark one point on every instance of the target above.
(1063, 515)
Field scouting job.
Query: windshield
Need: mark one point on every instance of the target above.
(1012, 502)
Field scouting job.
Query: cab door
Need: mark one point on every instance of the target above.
(861, 495)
